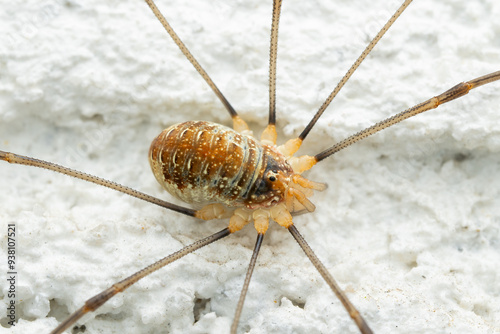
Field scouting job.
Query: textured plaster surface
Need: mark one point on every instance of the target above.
(409, 225)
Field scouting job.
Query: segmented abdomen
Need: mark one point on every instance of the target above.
(202, 162)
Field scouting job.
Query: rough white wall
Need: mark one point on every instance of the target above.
(409, 225)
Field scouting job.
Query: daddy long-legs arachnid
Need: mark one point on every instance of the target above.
(408, 225)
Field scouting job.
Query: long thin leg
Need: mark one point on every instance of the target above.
(191, 58)
(273, 53)
(244, 289)
(269, 135)
(98, 300)
(353, 68)
(27, 161)
(353, 312)
(270, 132)
(455, 92)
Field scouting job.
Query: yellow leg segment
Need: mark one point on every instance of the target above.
(269, 135)
(212, 211)
(302, 163)
(239, 219)
(281, 215)
(261, 220)
(290, 147)
(241, 126)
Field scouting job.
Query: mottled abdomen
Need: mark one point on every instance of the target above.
(202, 162)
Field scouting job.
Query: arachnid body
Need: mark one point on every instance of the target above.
(409, 224)
(202, 162)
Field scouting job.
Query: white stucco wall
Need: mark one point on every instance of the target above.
(409, 225)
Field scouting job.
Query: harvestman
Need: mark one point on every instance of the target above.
(455, 92)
